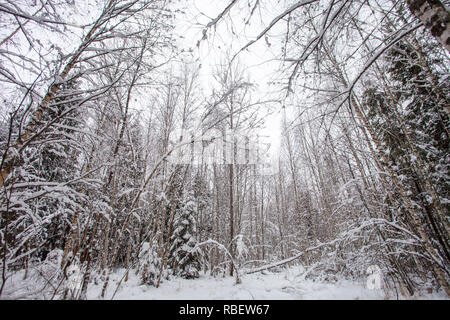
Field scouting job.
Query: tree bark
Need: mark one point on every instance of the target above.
(435, 16)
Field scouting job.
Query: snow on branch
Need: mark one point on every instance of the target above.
(274, 22)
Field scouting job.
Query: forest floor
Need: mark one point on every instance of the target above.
(287, 285)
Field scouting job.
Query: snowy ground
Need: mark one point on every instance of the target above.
(288, 285)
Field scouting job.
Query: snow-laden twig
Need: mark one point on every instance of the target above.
(374, 58)
(274, 22)
(221, 246)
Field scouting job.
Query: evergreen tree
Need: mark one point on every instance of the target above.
(55, 160)
(184, 257)
(42, 192)
(413, 129)
(150, 263)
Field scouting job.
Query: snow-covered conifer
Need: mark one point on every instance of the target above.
(184, 256)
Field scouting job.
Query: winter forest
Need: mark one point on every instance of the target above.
(224, 149)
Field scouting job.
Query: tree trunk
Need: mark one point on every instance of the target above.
(435, 16)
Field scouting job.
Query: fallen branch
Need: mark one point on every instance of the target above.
(287, 260)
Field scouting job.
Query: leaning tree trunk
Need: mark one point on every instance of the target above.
(30, 130)
(435, 16)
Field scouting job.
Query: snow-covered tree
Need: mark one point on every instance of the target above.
(410, 123)
(150, 263)
(44, 191)
(184, 256)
